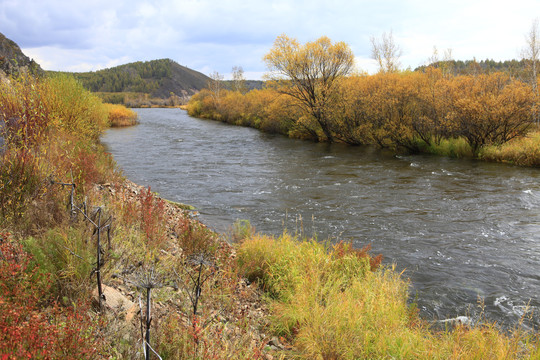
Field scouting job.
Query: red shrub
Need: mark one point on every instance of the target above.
(343, 248)
(30, 330)
(152, 217)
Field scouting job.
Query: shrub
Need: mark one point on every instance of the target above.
(74, 108)
(195, 238)
(27, 328)
(152, 218)
(120, 115)
(20, 182)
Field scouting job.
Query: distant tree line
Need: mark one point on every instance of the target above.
(515, 68)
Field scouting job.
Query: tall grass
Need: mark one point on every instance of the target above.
(331, 305)
(451, 147)
(524, 151)
(24, 111)
(67, 254)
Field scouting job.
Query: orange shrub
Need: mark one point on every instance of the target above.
(414, 111)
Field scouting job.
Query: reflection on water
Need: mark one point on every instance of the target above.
(461, 229)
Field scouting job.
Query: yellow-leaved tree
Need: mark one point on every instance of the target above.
(310, 73)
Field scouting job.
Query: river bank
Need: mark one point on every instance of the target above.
(460, 229)
(62, 200)
(71, 223)
(486, 116)
(286, 322)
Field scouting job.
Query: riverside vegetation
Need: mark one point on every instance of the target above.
(314, 94)
(260, 298)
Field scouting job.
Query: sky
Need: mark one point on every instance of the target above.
(216, 35)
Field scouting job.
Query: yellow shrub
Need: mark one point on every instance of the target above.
(119, 115)
(74, 108)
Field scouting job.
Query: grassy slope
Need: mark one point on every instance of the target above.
(318, 301)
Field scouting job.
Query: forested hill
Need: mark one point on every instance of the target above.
(516, 68)
(13, 60)
(158, 78)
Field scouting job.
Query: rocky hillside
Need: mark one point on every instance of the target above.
(157, 78)
(12, 59)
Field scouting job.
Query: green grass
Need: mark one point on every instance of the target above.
(453, 147)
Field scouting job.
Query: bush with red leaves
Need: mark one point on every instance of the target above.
(32, 326)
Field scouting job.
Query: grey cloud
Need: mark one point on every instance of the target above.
(216, 35)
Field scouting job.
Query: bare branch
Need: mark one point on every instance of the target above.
(386, 52)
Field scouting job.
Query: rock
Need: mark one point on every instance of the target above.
(131, 312)
(274, 342)
(459, 320)
(115, 301)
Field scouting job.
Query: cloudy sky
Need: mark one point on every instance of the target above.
(215, 35)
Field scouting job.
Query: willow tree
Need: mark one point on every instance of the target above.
(309, 73)
(386, 52)
(215, 85)
(531, 52)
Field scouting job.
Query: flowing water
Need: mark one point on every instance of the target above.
(461, 230)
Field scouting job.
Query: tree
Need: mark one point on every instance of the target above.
(531, 52)
(309, 73)
(238, 80)
(489, 109)
(447, 66)
(433, 60)
(215, 85)
(386, 52)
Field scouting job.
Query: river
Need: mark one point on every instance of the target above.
(465, 232)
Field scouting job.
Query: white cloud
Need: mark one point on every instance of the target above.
(364, 64)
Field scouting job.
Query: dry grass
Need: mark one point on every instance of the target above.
(334, 307)
(332, 302)
(523, 151)
(120, 116)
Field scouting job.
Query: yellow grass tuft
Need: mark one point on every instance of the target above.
(331, 306)
(523, 151)
(119, 115)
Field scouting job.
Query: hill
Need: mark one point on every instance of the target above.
(157, 78)
(13, 60)
(249, 84)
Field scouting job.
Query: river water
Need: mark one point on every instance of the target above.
(464, 232)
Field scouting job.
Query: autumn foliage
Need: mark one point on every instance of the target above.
(312, 95)
(406, 111)
(26, 331)
(119, 115)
